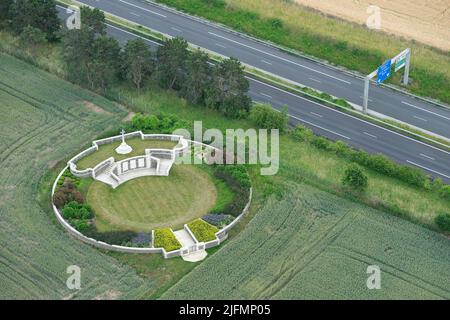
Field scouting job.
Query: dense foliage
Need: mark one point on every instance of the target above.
(378, 162)
(355, 178)
(161, 123)
(238, 180)
(266, 117)
(40, 14)
(66, 193)
(443, 221)
(77, 214)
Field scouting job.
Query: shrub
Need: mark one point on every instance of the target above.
(321, 143)
(303, 133)
(32, 38)
(164, 238)
(238, 180)
(266, 117)
(217, 219)
(202, 230)
(443, 221)
(445, 192)
(67, 193)
(355, 178)
(161, 123)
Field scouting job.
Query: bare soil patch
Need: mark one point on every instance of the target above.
(426, 21)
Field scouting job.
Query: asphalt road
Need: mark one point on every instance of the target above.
(340, 84)
(337, 125)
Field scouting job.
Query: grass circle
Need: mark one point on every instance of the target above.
(148, 203)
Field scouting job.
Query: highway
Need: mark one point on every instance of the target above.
(337, 125)
(301, 70)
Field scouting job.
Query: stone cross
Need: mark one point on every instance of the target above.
(123, 135)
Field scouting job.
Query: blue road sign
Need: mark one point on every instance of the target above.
(384, 71)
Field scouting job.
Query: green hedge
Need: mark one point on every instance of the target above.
(202, 230)
(378, 163)
(164, 238)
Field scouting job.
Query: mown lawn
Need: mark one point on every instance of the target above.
(106, 151)
(147, 203)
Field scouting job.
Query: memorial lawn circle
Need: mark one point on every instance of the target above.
(147, 203)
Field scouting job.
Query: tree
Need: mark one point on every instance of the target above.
(77, 46)
(5, 12)
(91, 59)
(443, 221)
(266, 117)
(355, 178)
(137, 62)
(198, 76)
(41, 14)
(171, 63)
(228, 89)
(104, 62)
(93, 20)
(33, 38)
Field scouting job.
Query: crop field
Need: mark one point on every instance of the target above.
(311, 245)
(43, 120)
(148, 203)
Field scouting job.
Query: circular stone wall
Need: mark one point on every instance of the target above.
(147, 203)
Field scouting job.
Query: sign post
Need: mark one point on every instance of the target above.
(402, 60)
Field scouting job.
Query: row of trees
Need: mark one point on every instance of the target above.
(95, 59)
(37, 14)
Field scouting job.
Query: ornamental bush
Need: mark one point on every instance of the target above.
(266, 117)
(66, 193)
(355, 178)
(445, 192)
(443, 221)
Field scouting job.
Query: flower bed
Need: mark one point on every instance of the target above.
(202, 230)
(164, 238)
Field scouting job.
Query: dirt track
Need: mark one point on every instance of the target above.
(426, 21)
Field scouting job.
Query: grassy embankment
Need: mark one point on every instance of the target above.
(341, 43)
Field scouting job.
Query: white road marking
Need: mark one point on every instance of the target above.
(316, 114)
(434, 113)
(147, 10)
(315, 125)
(219, 45)
(135, 35)
(431, 170)
(178, 30)
(315, 80)
(265, 95)
(424, 155)
(280, 58)
(370, 135)
(420, 118)
(134, 14)
(266, 62)
(350, 116)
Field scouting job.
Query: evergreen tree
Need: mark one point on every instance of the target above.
(171, 63)
(137, 62)
(40, 14)
(198, 76)
(228, 89)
